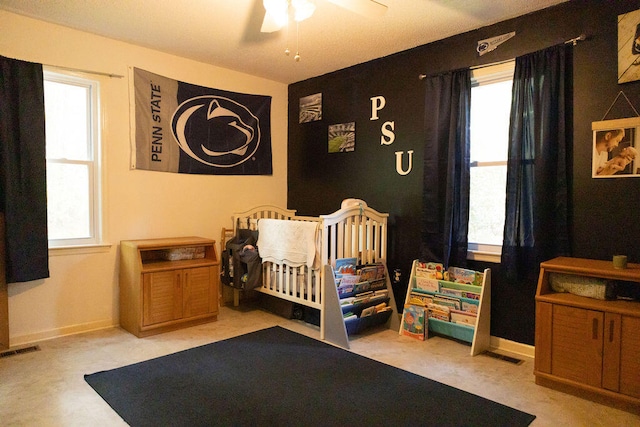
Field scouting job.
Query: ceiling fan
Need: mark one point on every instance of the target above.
(277, 11)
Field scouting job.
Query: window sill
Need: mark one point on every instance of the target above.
(80, 249)
(484, 256)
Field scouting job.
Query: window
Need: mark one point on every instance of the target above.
(73, 160)
(490, 111)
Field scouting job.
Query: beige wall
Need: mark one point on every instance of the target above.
(82, 292)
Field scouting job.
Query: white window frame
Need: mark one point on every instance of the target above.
(484, 76)
(94, 163)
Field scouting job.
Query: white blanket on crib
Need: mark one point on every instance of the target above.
(293, 242)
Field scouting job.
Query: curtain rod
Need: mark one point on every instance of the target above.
(574, 41)
(80, 70)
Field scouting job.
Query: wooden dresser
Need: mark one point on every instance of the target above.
(167, 284)
(587, 346)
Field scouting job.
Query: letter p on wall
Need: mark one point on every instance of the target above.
(377, 104)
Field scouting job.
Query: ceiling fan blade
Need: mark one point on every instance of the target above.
(269, 25)
(368, 8)
(276, 15)
(255, 19)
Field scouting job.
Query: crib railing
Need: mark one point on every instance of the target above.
(359, 232)
(300, 285)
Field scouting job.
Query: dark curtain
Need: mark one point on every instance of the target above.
(538, 171)
(445, 206)
(23, 194)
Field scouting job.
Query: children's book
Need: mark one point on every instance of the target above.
(368, 311)
(347, 301)
(430, 270)
(414, 322)
(470, 307)
(381, 307)
(349, 279)
(452, 292)
(345, 291)
(470, 295)
(369, 273)
(416, 298)
(345, 266)
(427, 284)
(375, 285)
(362, 298)
(349, 316)
(463, 275)
(440, 312)
(381, 293)
(463, 317)
(450, 302)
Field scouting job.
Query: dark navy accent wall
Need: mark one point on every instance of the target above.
(604, 212)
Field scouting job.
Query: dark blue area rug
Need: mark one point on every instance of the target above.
(275, 377)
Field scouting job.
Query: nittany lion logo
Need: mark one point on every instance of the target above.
(216, 131)
(482, 47)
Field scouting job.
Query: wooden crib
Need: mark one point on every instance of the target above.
(355, 230)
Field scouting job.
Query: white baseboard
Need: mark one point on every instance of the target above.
(513, 347)
(60, 332)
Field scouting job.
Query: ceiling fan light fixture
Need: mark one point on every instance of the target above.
(303, 9)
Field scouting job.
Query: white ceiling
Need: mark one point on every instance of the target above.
(226, 33)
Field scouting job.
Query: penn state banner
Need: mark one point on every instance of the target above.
(185, 128)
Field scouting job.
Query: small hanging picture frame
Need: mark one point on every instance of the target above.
(616, 149)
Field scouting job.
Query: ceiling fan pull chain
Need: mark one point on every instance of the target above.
(287, 51)
(297, 57)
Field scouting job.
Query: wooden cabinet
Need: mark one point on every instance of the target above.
(585, 345)
(167, 284)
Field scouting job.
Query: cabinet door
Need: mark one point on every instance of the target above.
(629, 356)
(544, 326)
(576, 343)
(162, 297)
(200, 291)
(621, 366)
(611, 361)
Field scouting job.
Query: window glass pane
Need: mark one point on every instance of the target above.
(73, 175)
(67, 121)
(490, 110)
(68, 204)
(487, 204)
(490, 115)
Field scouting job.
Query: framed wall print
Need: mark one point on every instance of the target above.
(342, 137)
(615, 148)
(629, 47)
(310, 108)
